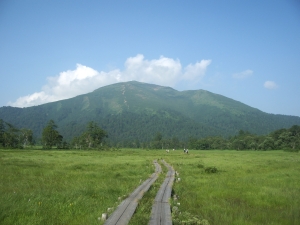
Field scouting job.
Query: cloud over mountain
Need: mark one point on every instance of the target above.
(243, 74)
(162, 71)
(270, 85)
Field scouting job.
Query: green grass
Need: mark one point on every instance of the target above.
(249, 187)
(76, 187)
(66, 187)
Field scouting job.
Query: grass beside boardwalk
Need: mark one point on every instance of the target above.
(76, 187)
(66, 187)
(248, 188)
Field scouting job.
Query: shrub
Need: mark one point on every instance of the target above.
(200, 165)
(211, 169)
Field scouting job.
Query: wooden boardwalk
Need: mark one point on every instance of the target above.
(125, 210)
(161, 211)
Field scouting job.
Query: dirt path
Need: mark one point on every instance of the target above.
(125, 210)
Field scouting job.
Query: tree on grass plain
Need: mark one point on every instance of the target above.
(93, 135)
(11, 137)
(26, 137)
(91, 138)
(2, 130)
(50, 136)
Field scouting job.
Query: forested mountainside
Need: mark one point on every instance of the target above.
(137, 111)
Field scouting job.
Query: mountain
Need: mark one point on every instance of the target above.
(137, 111)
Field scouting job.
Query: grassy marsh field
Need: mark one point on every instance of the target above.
(76, 187)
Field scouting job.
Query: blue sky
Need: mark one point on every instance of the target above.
(245, 50)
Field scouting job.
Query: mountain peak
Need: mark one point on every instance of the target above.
(133, 109)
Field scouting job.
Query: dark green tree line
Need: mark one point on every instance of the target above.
(286, 139)
(12, 137)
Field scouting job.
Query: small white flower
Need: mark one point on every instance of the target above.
(104, 216)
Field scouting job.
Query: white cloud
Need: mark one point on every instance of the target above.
(163, 71)
(70, 83)
(243, 75)
(270, 85)
(196, 71)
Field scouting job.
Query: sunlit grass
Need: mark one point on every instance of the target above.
(56, 187)
(249, 187)
(76, 187)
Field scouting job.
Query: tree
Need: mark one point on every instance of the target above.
(26, 137)
(50, 136)
(157, 141)
(158, 136)
(267, 144)
(77, 142)
(239, 144)
(295, 132)
(93, 135)
(203, 144)
(193, 143)
(10, 136)
(2, 130)
(218, 143)
(175, 143)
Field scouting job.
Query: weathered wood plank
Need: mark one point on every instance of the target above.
(155, 213)
(161, 211)
(160, 194)
(125, 210)
(166, 218)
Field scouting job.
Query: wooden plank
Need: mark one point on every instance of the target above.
(125, 210)
(161, 214)
(166, 217)
(168, 190)
(161, 191)
(161, 211)
(155, 213)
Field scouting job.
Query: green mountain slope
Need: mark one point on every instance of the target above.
(134, 110)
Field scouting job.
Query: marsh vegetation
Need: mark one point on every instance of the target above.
(215, 187)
